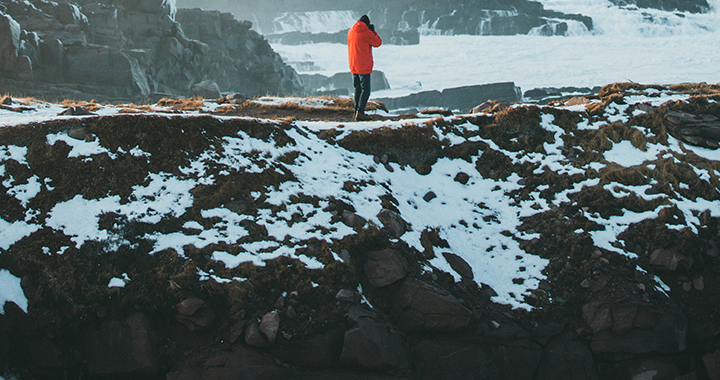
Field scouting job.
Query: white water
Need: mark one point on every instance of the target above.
(624, 46)
(315, 22)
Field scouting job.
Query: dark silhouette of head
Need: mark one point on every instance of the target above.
(365, 19)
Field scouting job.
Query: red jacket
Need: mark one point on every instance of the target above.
(361, 40)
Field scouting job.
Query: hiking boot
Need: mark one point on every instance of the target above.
(360, 116)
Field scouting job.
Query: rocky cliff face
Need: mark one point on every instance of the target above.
(132, 50)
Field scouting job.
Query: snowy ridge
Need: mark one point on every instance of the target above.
(307, 175)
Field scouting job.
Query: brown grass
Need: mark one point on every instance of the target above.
(189, 104)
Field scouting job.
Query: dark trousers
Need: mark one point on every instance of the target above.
(362, 91)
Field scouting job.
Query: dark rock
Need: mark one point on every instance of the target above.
(429, 196)
(353, 220)
(459, 265)
(291, 312)
(454, 360)
(80, 133)
(6, 100)
(462, 98)
(373, 345)
(201, 318)
(76, 111)
(567, 359)
(712, 365)
(317, 352)
(462, 178)
(422, 307)
(236, 331)
(269, 326)
(622, 326)
(4, 348)
(189, 306)
(255, 337)
(122, 347)
(385, 267)
(393, 223)
(666, 259)
(712, 250)
(132, 49)
(347, 295)
(699, 130)
(240, 363)
(654, 369)
(206, 89)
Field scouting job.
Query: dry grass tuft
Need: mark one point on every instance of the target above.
(190, 104)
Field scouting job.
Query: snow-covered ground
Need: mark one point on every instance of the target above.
(479, 219)
(643, 46)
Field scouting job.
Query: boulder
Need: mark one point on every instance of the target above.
(347, 295)
(459, 265)
(712, 365)
(666, 259)
(462, 98)
(442, 358)
(194, 314)
(239, 363)
(317, 351)
(422, 307)
(122, 347)
(372, 345)
(255, 337)
(699, 130)
(385, 267)
(393, 223)
(269, 326)
(566, 359)
(206, 89)
(353, 220)
(625, 326)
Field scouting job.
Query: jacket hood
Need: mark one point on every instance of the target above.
(360, 27)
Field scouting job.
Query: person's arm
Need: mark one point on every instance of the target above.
(373, 38)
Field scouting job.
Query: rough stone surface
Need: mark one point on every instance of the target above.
(353, 220)
(422, 307)
(393, 223)
(316, 352)
(269, 326)
(567, 359)
(712, 365)
(666, 259)
(130, 50)
(123, 347)
(385, 267)
(621, 326)
(255, 337)
(206, 89)
(462, 98)
(459, 265)
(372, 345)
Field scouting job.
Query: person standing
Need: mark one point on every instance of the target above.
(361, 39)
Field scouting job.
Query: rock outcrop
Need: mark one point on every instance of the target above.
(401, 22)
(462, 98)
(129, 51)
